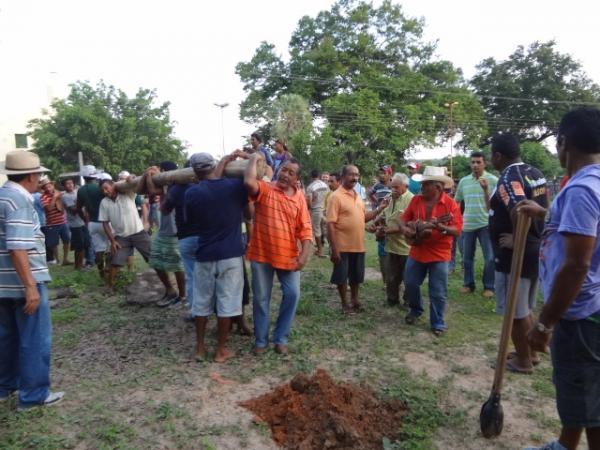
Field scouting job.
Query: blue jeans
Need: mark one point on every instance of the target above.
(457, 244)
(26, 343)
(469, 242)
(438, 290)
(262, 285)
(187, 249)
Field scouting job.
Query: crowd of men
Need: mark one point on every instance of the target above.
(209, 232)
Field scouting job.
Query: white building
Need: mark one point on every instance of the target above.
(18, 107)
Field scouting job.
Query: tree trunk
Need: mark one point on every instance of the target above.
(234, 169)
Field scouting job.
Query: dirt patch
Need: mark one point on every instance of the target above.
(317, 413)
(372, 274)
(424, 362)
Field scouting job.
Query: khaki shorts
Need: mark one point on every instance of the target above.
(140, 241)
(316, 216)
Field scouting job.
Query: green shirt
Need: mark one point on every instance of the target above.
(90, 196)
(395, 243)
(469, 190)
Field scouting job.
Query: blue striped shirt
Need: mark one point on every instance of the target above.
(19, 230)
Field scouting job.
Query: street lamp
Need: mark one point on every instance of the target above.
(450, 106)
(222, 106)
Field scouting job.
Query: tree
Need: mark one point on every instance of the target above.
(538, 156)
(112, 131)
(372, 84)
(528, 93)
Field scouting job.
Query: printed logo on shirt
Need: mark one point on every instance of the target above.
(517, 188)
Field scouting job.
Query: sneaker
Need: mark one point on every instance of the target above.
(555, 445)
(52, 399)
(52, 262)
(466, 290)
(488, 293)
(166, 300)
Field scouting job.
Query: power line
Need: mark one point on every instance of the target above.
(442, 92)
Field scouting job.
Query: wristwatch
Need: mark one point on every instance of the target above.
(543, 328)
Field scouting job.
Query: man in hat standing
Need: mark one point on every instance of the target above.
(25, 327)
(414, 186)
(89, 197)
(430, 222)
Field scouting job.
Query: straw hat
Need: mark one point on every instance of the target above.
(433, 173)
(21, 162)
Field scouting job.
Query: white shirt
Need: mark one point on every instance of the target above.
(122, 214)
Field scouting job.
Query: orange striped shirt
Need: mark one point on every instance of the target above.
(280, 222)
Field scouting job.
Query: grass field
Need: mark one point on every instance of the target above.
(131, 383)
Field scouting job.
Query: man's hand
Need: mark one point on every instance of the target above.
(371, 228)
(484, 184)
(115, 246)
(301, 261)
(241, 154)
(32, 300)
(538, 341)
(532, 209)
(153, 170)
(335, 256)
(384, 203)
(506, 240)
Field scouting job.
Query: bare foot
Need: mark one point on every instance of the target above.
(223, 355)
(200, 355)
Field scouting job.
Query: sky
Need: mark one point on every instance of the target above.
(187, 50)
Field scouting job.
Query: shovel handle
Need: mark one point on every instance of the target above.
(519, 240)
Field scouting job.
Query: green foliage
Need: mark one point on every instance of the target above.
(539, 73)
(373, 87)
(538, 156)
(112, 131)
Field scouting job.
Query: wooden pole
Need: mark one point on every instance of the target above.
(234, 169)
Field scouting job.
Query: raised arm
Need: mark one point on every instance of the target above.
(250, 174)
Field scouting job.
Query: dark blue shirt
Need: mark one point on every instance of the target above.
(216, 207)
(175, 201)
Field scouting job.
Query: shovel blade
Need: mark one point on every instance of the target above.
(491, 418)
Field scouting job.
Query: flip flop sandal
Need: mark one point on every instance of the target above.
(512, 355)
(511, 367)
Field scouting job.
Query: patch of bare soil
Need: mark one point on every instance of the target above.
(317, 413)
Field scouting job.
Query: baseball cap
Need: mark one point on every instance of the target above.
(123, 174)
(202, 162)
(104, 176)
(88, 171)
(386, 168)
(44, 180)
(414, 165)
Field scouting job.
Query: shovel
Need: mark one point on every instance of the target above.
(491, 418)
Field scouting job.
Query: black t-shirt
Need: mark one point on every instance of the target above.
(517, 182)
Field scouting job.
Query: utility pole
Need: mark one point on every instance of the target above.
(222, 106)
(450, 106)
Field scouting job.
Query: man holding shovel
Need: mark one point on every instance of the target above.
(570, 279)
(518, 181)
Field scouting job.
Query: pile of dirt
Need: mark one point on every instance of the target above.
(318, 413)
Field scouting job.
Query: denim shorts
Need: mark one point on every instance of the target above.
(218, 286)
(526, 294)
(55, 232)
(575, 350)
